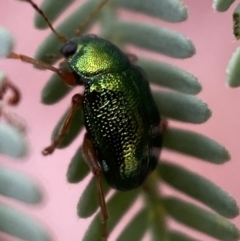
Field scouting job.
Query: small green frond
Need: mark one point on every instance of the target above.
(16, 185)
(6, 42)
(201, 220)
(182, 107)
(12, 142)
(136, 228)
(77, 169)
(49, 8)
(169, 10)
(201, 189)
(50, 95)
(170, 76)
(177, 236)
(222, 5)
(195, 145)
(233, 71)
(22, 226)
(155, 38)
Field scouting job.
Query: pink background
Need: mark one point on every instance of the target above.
(211, 33)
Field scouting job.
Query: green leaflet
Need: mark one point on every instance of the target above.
(16, 185)
(195, 145)
(52, 10)
(6, 42)
(136, 228)
(169, 10)
(13, 141)
(169, 76)
(77, 169)
(202, 220)
(54, 90)
(155, 38)
(233, 71)
(200, 188)
(181, 107)
(177, 236)
(222, 5)
(22, 226)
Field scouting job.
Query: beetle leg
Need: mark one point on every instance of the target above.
(91, 159)
(77, 100)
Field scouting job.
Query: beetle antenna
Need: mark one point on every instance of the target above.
(34, 5)
(68, 77)
(79, 30)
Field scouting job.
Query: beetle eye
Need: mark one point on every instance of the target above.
(68, 49)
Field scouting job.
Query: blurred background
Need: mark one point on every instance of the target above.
(211, 32)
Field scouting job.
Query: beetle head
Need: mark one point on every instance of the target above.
(90, 55)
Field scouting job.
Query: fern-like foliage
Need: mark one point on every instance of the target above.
(180, 104)
(13, 184)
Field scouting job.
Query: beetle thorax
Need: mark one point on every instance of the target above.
(96, 56)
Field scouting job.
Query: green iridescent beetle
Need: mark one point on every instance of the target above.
(121, 118)
(124, 136)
